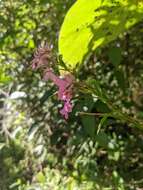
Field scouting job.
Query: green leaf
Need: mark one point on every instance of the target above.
(95, 84)
(121, 79)
(89, 124)
(2, 145)
(93, 23)
(4, 79)
(102, 121)
(40, 177)
(47, 95)
(115, 56)
(102, 139)
(101, 107)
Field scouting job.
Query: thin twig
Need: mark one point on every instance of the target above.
(92, 114)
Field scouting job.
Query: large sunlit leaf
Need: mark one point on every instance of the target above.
(93, 23)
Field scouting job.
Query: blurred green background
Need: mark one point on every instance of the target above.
(39, 150)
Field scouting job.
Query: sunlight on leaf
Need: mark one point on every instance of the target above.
(102, 23)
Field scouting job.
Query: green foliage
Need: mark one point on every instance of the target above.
(4, 79)
(94, 23)
(94, 149)
(115, 56)
(89, 125)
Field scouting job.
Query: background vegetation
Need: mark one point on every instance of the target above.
(38, 148)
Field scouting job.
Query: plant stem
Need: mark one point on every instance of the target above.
(115, 111)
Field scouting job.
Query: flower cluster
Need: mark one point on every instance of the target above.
(42, 57)
(42, 60)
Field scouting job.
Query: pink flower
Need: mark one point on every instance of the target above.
(42, 57)
(66, 109)
(65, 88)
(42, 60)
